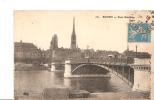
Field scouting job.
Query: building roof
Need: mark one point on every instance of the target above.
(137, 54)
(24, 45)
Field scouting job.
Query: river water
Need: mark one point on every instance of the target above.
(36, 81)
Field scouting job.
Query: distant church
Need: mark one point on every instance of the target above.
(60, 54)
(54, 41)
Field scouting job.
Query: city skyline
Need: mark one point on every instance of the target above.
(97, 33)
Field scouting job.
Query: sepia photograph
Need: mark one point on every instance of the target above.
(82, 54)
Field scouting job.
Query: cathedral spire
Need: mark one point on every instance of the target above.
(73, 37)
(73, 25)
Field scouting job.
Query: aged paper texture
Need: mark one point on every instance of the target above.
(83, 55)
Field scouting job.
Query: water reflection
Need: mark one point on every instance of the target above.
(89, 84)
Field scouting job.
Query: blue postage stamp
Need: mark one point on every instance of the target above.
(139, 32)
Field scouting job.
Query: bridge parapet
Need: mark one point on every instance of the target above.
(106, 60)
(68, 61)
(142, 61)
(141, 64)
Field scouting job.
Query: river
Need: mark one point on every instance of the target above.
(36, 81)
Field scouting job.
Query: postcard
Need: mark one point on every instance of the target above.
(83, 54)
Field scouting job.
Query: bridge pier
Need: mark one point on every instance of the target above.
(141, 75)
(53, 67)
(67, 82)
(68, 69)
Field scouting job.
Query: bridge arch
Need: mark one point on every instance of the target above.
(98, 68)
(109, 69)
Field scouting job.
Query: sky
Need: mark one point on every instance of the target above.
(92, 29)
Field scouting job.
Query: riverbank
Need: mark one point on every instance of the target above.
(98, 96)
(28, 67)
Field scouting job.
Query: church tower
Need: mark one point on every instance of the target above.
(54, 42)
(73, 37)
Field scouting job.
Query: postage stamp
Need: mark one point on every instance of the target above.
(139, 32)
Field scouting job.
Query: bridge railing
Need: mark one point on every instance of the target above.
(104, 60)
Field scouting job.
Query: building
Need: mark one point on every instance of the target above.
(135, 54)
(26, 52)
